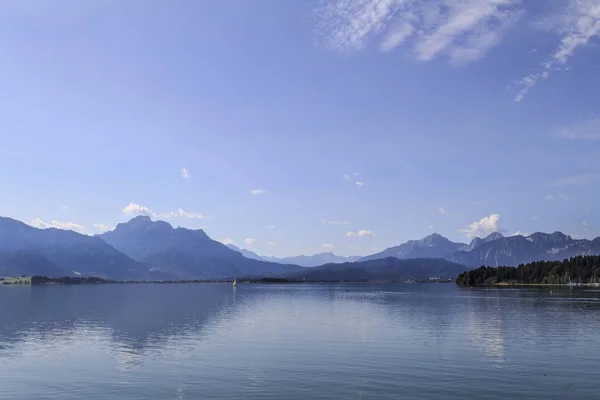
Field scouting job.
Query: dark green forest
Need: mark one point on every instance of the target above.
(580, 269)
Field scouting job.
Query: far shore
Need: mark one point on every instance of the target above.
(43, 280)
(535, 284)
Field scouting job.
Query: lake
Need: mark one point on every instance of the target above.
(211, 341)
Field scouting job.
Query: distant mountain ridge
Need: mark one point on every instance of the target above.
(55, 252)
(302, 260)
(515, 250)
(495, 249)
(142, 249)
(384, 269)
(432, 246)
(185, 253)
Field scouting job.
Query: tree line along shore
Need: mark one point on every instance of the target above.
(576, 271)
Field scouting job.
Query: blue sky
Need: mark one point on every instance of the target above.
(297, 127)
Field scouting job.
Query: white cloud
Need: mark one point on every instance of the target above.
(360, 184)
(186, 214)
(562, 197)
(327, 246)
(585, 226)
(519, 233)
(465, 30)
(272, 244)
(271, 226)
(72, 226)
(250, 241)
(227, 241)
(323, 220)
(136, 209)
(483, 227)
(535, 218)
(257, 191)
(185, 173)
(346, 177)
(363, 232)
(581, 179)
(103, 228)
(444, 212)
(576, 24)
(584, 130)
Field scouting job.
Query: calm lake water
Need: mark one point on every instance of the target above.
(211, 341)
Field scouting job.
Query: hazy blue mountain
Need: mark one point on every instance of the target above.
(303, 261)
(247, 253)
(28, 263)
(515, 250)
(386, 269)
(56, 252)
(432, 246)
(317, 259)
(186, 253)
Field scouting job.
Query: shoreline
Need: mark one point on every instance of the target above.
(533, 285)
(47, 281)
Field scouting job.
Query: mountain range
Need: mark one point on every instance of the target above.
(55, 252)
(383, 269)
(185, 253)
(495, 249)
(303, 261)
(143, 249)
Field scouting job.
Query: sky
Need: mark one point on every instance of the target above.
(299, 127)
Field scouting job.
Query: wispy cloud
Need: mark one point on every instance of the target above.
(584, 130)
(271, 226)
(562, 197)
(585, 226)
(582, 179)
(363, 232)
(250, 241)
(464, 30)
(576, 24)
(66, 225)
(257, 191)
(359, 183)
(18, 127)
(64, 208)
(483, 227)
(272, 244)
(323, 220)
(185, 174)
(191, 215)
(136, 209)
(519, 233)
(327, 246)
(446, 213)
(103, 227)
(227, 241)
(346, 177)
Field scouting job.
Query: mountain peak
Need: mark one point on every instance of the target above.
(139, 219)
(555, 236)
(493, 236)
(434, 237)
